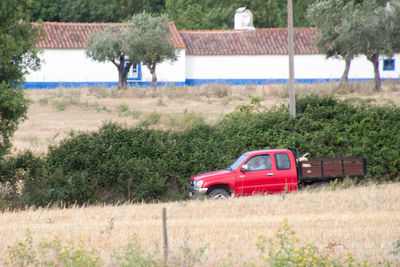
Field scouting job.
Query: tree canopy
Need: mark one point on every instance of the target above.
(209, 14)
(94, 10)
(145, 39)
(18, 56)
(374, 32)
(329, 17)
(107, 46)
(17, 41)
(187, 14)
(148, 41)
(349, 29)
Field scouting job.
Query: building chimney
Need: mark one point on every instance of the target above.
(243, 19)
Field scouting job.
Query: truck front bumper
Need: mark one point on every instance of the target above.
(197, 192)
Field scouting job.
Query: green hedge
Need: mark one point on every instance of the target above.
(117, 164)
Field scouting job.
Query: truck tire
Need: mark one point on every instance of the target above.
(319, 184)
(218, 194)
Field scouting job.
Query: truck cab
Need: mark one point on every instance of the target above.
(255, 172)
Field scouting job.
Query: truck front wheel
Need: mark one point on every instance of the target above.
(217, 194)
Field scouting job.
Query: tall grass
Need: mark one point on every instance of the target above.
(341, 227)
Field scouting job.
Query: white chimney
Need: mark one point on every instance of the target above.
(243, 19)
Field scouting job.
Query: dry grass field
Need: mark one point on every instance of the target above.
(55, 114)
(364, 221)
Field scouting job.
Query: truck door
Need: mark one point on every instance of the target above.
(284, 173)
(257, 176)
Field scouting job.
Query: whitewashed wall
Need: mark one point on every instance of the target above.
(73, 66)
(276, 67)
(168, 71)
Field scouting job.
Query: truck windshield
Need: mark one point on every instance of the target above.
(237, 162)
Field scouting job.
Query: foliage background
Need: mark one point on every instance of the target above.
(187, 14)
(117, 164)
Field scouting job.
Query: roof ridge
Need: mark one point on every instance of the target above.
(79, 23)
(74, 35)
(272, 41)
(233, 30)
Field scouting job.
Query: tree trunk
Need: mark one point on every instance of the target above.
(377, 79)
(121, 84)
(345, 76)
(153, 76)
(123, 73)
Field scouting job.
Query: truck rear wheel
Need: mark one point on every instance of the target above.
(319, 184)
(217, 194)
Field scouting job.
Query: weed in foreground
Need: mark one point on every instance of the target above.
(95, 106)
(33, 140)
(60, 105)
(187, 121)
(285, 250)
(133, 255)
(282, 250)
(189, 256)
(51, 253)
(44, 101)
(124, 110)
(151, 119)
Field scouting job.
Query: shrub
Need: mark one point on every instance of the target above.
(17, 174)
(117, 164)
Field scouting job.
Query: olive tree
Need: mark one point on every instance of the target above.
(374, 31)
(330, 18)
(148, 40)
(107, 46)
(144, 39)
(367, 28)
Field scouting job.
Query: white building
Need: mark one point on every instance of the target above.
(239, 56)
(64, 62)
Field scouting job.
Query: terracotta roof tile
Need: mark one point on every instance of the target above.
(175, 36)
(66, 35)
(247, 42)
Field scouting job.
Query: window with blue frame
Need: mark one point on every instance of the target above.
(135, 73)
(388, 64)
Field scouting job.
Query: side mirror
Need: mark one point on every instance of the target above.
(244, 168)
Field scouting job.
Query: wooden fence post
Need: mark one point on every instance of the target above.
(164, 218)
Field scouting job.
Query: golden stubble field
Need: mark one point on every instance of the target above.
(55, 114)
(363, 221)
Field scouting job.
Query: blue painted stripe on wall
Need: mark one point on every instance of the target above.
(52, 85)
(190, 82)
(147, 84)
(274, 81)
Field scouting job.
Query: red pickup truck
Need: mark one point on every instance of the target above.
(273, 171)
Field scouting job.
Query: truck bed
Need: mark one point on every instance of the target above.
(324, 169)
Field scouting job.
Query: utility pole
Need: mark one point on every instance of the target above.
(292, 94)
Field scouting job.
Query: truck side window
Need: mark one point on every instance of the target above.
(282, 161)
(262, 162)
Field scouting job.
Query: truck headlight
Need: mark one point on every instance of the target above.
(197, 184)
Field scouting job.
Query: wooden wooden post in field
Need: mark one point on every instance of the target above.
(292, 94)
(164, 218)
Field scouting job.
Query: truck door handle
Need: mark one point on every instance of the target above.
(270, 174)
